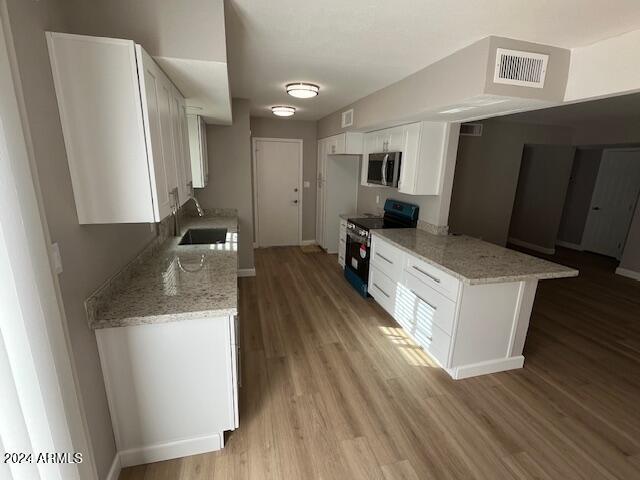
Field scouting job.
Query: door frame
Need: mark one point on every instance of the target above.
(254, 162)
(583, 242)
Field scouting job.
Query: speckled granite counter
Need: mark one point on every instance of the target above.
(347, 216)
(471, 260)
(170, 282)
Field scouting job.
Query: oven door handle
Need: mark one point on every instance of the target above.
(384, 169)
(356, 237)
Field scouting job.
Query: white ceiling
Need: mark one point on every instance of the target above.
(352, 48)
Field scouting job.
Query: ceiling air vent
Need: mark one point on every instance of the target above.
(347, 118)
(524, 69)
(471, 129)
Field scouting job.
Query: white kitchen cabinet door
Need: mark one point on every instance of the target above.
(150, 85)
(171, 387)
(429, 147)
(396, 139)
(198, 151)
(99, 100)
(180, 145)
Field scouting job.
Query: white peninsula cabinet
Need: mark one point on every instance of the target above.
(125, 129)
(470, 325)
(426, 147)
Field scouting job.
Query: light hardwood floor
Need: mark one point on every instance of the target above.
(332, 388)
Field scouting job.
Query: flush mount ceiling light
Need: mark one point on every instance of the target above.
(302, 90)
(282, 111)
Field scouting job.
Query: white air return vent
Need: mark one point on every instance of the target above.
(471, 129)
(524, 69)
(347, 118)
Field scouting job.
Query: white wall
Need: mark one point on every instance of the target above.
(605, 68)
(90, 253)
(305, 131)
(631, 255)
(540, 196)
(486, 177)
(229, 151)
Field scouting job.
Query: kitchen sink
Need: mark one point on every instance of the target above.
(204, 236)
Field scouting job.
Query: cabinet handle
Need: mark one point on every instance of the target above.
(435, 279)
(384, 258)
(423, 300)
(383, 292)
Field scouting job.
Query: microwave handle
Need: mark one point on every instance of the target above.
(384, 169)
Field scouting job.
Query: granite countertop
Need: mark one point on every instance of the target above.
(347, 216)
(471, 260)
(173, 282)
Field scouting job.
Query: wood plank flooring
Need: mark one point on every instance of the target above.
(333, 389)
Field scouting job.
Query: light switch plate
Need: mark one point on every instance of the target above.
(56, 258)
(307, 184)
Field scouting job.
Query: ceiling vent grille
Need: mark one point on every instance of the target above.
(524, 69)
(347, 118)
(471, 129)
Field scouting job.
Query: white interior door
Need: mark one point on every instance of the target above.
(278, 198)
(613, 202)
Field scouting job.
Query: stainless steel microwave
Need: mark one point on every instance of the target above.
(384, 169)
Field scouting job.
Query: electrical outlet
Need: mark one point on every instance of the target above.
(377, 199)
(56, 259)
(307, 184)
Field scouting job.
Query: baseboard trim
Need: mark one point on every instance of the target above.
(484, 368)
(246, 272)
(531, 246)
(167, 451)
(116, 467)
(628, 273)
(572, 246)
(304, 243)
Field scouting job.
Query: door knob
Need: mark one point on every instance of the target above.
(295, 201)
(295, 189)
(596, 208)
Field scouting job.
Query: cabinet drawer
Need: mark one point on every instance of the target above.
(430, 306)
(383, 289)
(438, 346)
(432, 276)
(387, 258)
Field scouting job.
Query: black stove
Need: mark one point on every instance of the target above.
(397, 214)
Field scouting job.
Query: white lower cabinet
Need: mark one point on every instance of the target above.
(383, 289)
(172, 387)
(467, 329)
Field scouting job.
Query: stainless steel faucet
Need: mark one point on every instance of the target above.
(175, 209)
(198, 207)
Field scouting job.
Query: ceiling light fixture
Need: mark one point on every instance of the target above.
(302, 90)
(282, 111)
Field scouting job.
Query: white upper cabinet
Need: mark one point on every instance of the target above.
(124, 129)
(198, 151)
(426, 148)
(348, 143)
